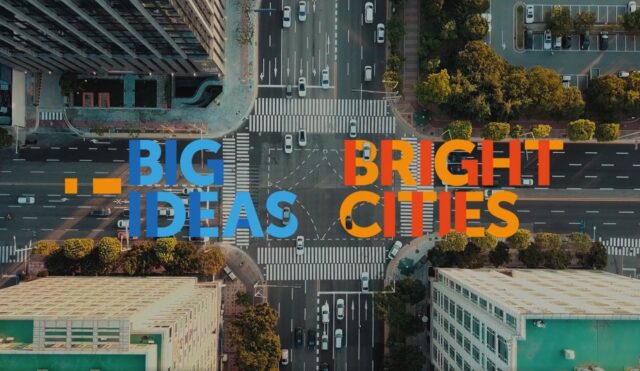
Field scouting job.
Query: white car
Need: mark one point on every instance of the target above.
(324, 342)
(165, 211)
(284, 358)
(302, 11)
(26, 200)
(300, 245)
(302, 87)
(187, 190)
(631, 7)
(325, 78)
(325, 312)
(547, 40)
(623, 74)
(364, 280)
(529, 14)
(302, 137)
(528, 182)
(338, 338)
(123, 223)
(566, 81)
(366, 151)
(288, 144)
(353, 128)
(368, 12)
(394, 250)
(286, 17)
(340, 309)
(488, 192)
(380, 33)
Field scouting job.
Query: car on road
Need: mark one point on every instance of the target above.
(325, 78)
(325, 312)
(528, 39)
(324, 342)
(187, 190)
(298, 336)
(300, 245)
(324, 366)
(380, 33)
(286, 215)
(288, 144)
(585, 41)
(302, 87)
(566, 81)
(125, 213)
(302, 137)
(284, 358)
(26, 200)
(547, 40)
(394, 250)
(311, 339)
(338, 338)
(488, 192)
(368, 73)
(623, 74)
(604, 40)
(566, 42)
(368, 12)
(302, 11)
(364, 280)
(529, 14)
(105, 211)
(286, 17)
(631, 7)
(165, 211)
(366, 151)
(528, 182)
(288, 93)
(353, 128)
(123, 223)
(348, 222)
(340, 309)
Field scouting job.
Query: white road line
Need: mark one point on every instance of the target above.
(53, 195)
(5, 171)
(37, 172)
(83, 160)
(593, 212)
(4, 194)
(68, 218)
(52, 160)
(49, 206)
(539, 222)
(622, 177)
(625, 212)
(607, 165)
(15, 205)
(591, 176)
(557, 176)
(557, 211)
(55, 147)
(69, 172)
(591, 153)
(19, 159)
(622, 153)
(575, 164)
(606, 189)
(30, 217)
(118, 160)
(73, 148)
(523, 211)
(93, 149)
(608, 223)
(574, 189)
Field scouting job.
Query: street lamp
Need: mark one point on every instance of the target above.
(526, 152)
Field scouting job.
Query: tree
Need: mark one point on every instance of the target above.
(607, 132)
(184, 259)
(454, 241)
(5, 138)
(512, 98)
(519, 240)
(548, 241)
(58, 264)
(571, 105)
(545, 91)
(109, 250)
(581, 129)
(141, 259)
(516, 131)
(394, 62)
(559, 21)
(632, 22)
(437, 257)
(434, 89)
(606, 95)
(45, 247)
(532, 256)
(390, 80)
(210, 260)
(597, 258)
(496, 130)
(397, 3)
(500, 255)
(164, 249)
(475, 27)
(481, 64)
(395, 32)
(541, 130)
(410, 291)
(472, 257)
(467, 100)
(243, 298)
(405, 357)
(77, 248)
(449, 30)
(584, 21)
(458, 130)
(254, 337)
(557, 259)
(486, 243)
(579, 241)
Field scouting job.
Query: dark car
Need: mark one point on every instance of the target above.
(324, 366)
(348, 222)
(101, 212)
(311, 339)
(528, 39)
(125, 213)
(585, 41)
(566, 42)
(298, 336)
(604, 40)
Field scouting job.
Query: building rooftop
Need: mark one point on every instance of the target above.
(553, 292)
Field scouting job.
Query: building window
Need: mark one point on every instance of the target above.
(476, 328)
(467, 345)
(483, 304)
(452, 309)
(446, 325)
(475, 352)
(452, 353)
(459, 338)
(445, 302)
(445, 345)
(490, 366)
(465, 293)
(499, 313)
(435, 295)
(503, 351)
(467, 320)
(511, 320)
(474, 298)
(452, 331)
(458, 288)
(459, 360)
(459, 314)
(491, 339)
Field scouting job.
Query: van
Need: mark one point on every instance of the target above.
(284, 358)
(368, 73)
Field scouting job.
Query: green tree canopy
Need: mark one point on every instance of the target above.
(632, 22)
(458, 130)
(500, 255)
(496, 130)
(584, 21)
(548, 240)
(243, 298)
(606, 95)
(541, 130)
(434, 89)
(579, 241)
(45, 247)
(454, 241)
(410, 291)
(405, 357)
(597, 258)
(559, 21)
(395, 31)
(210, 260)
(394, 62)
(571, 105)
(109, 250)
(481, 64)
(184, 259)
(532, 256)
(141, 259)
(475, 27)
(77, 248)
(519, 240)
(164, 250)
(254, 337)
(545, 91)
(516, 131)
(581, 129)
(607, 132)
(557, 259)
(486, 243)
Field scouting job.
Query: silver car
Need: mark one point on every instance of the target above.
(353, 128)
(529, 14)
(288, 144)
(286, 17)
(325, 78)
(547, 40)
(380, 33)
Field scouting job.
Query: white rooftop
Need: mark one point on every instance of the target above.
(553, 292)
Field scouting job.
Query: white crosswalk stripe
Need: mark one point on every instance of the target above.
(406, 214)
(235, 156)
(322, 263)
(321, 124)
(320, 107)
(51, 115)
(242, 182)
(9, 254)
(622, 246)
(229, 187)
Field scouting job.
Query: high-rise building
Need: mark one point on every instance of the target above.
(113, 36)
(110, 323)
(521, 319)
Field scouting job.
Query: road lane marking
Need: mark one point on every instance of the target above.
(4, 194)
(34, 147)
(622, 177)
(30, 217)
(591, 176)
(575, 164)
(15, 205)
(557, 176)
(118, 160)
(93, 149)
(55, 147)
(73, 148)
(19, 159)
(112, 149)
(591, 153)
(574, 189)
(622, 153)
(625, 212)
(606, 189)
(636, 165)
(609, 223)
(69, 172)
(539, 222)
(593, 212)
(37, 172)
(53, 160)
(557, 211)
(5, 171)
(53, 195)
(68, 218)
(523, 211)
(607, 165)
(49, 206)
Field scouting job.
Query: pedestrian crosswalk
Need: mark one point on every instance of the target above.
(322, 263)
(229, 187)
(242, 182)
(322, 124)
(406, 214)
(320, 107)
(235, 157)
(621, 246)
(51, 115)
(10, 254)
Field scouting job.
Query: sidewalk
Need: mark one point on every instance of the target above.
(414, 250)
(243, 266)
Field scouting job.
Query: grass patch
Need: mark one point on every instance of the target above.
(520, 27)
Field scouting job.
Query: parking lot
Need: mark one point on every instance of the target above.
(618, 42)
(605, 14)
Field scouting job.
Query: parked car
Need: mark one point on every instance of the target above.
(105, 211)
(302, 87)
(368, 12)
(394, 249)
(529, 14)
(631, 7)
(348, 222)
(366, 151)
(284, 358)
(547, 40)
(123, 223)
(368, 73)
(302, 11)
(325, 78)
(528, 182)
(286, 215)
(528, 39)
(288, 144)
(325, 312)
(311, 339)
(286, 17)
(585, 41)
(557, 43)
(300, 245)
(338, 338)
(26, 200)
(302, 137)
(324, 342)
(604, 40)
(364, 280)
(623, 74)
(566, 42)
(340, 309)
(165, 211)
(298, 336)
(380, 33)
